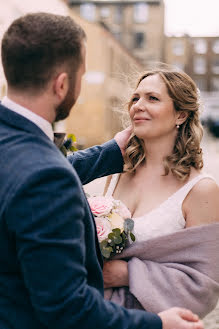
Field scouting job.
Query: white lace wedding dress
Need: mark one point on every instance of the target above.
(164, 219)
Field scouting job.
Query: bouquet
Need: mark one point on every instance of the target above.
(113, 223)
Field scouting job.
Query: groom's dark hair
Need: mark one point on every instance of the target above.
(35, 45)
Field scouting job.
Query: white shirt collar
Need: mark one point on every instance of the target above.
(43, 124)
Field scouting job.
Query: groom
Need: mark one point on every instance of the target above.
(50, 263)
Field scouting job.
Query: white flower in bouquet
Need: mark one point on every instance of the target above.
(116, 221)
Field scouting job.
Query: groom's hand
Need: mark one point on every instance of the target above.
(180, 318)
(122, 138)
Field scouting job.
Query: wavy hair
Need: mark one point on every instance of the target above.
(186, 152)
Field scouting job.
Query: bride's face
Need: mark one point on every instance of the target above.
(152, 111)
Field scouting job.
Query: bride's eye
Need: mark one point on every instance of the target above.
(153, 98)
(134, 99)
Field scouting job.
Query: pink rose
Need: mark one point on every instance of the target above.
(103, 228)
(122, 210)
(100, 205)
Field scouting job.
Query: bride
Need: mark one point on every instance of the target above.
(166, 191)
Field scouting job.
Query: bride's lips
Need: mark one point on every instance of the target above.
(138, 120)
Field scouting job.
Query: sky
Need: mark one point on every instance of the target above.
(194, 17)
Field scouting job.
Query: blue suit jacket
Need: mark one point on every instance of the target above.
(50, 262)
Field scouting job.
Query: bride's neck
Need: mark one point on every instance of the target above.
(156, 151)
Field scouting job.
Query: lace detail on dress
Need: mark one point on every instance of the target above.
(165, 218)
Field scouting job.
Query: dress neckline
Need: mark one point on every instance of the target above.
(166, 200)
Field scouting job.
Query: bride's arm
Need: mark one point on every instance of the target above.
(201, 206)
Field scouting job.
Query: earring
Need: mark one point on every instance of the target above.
(177, 126)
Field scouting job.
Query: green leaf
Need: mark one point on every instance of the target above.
(103, 244)
(132, 237)
(124, 236)
(116, 231)
(112, 243)
(118, 240)
(111, 236)
(106, 252)
(128, 225)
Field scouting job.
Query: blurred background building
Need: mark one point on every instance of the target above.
(198, 56)
(105, 86)
(124, 37)
(137, 25)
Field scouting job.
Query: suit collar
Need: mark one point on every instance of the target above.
(35, 118)
(20, 122)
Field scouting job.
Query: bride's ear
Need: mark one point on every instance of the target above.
(181, 117)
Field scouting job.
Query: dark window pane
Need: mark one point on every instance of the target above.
(139, 39)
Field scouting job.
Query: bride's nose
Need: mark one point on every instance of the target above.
(139, 106)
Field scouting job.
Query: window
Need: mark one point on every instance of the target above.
(88, 11)
(139, 39)
(215, 84)
(140, 13)
(215, 46)
(199, 65)
(104, 12)
(215, 66)
(118, 14)
(178, 47)
(200, 46)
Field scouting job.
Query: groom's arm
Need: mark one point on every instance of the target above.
(97, 161)
(104, 160)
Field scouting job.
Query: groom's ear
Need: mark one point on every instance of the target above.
(61, 85)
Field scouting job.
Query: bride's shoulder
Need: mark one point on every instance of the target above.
(206, 187)
(202, 203)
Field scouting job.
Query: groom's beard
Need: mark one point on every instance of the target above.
(64, 109)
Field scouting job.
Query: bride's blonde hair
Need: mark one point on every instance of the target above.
(186, 152)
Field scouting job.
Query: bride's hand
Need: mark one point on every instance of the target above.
(115, 273)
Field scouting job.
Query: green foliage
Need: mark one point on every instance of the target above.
(116, 241)
(72, 137)
(106, 250)
(128, 225)
(69, 145)
(132, 237)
